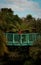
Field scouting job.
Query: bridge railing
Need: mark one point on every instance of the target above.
(22, 39)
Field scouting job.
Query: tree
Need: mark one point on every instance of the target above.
(7, 11)
(10, 22)
(38, 25)
(3, 48)
(29, 62)
(35, 50)
(29, 17)
(6, 19)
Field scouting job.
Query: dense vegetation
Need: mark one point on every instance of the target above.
(12, 23)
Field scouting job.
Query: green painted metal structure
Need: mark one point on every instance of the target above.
(22, 39)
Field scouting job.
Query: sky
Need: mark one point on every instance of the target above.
(23, 7)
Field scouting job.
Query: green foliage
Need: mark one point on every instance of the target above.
(28, 62)
(3, 48)
(29, 17)
(35, 50)
(11, 23)
(8, 21)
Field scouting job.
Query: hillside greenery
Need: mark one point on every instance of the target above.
(12, 23)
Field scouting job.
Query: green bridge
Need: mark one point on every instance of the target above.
(22, 39)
